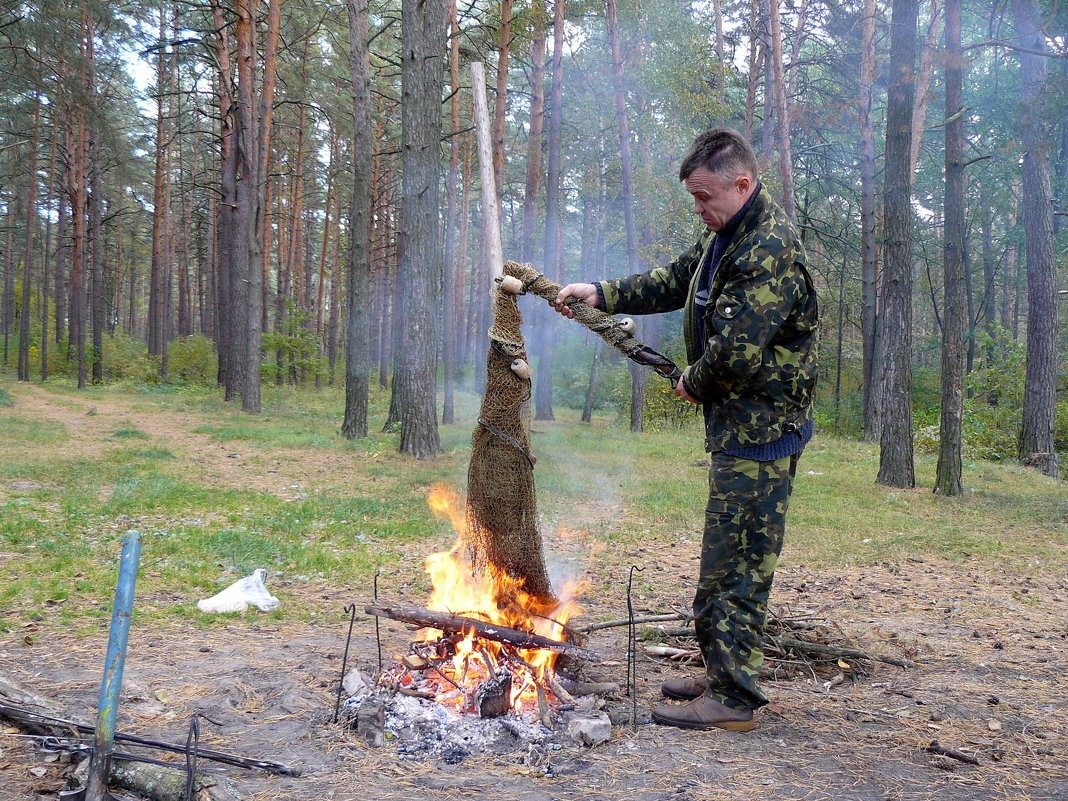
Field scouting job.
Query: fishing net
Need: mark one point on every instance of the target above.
(502, 514)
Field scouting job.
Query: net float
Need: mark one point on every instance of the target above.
(513, 286)
(522, 369)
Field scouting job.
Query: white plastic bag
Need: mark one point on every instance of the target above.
(238, 596)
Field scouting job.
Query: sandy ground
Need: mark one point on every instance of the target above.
(990, 679)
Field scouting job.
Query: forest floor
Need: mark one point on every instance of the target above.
(974, 590)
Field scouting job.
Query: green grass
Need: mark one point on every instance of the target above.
(129, 433)
(359, 507)
(16, 430)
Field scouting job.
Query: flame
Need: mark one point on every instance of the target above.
(493, 596)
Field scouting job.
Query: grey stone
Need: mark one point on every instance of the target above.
(371, 722)
(355, 683)
(588, 728)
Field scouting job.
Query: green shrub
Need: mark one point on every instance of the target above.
(126, 357)
(193, 360)
(5, 398)
(293, 352)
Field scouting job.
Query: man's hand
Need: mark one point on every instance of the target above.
(587, 293)
(680, 390)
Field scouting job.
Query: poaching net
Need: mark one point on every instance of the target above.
(502, 514)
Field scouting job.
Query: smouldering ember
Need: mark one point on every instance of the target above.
(474, 671)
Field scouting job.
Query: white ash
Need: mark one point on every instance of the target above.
(422, 728)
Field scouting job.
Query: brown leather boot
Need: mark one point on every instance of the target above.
(684, 689)
(703, 713)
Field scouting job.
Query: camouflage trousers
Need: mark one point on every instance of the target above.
(744, 525)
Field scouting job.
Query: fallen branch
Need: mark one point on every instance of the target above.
(580, 688)
(941, 750)
(611, 624)
(152, 781)
(445, 622)
(836, 651)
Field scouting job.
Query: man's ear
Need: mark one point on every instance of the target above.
(742, 183)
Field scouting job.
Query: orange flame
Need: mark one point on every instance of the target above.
(493, 596)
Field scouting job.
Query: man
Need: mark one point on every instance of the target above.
(749, 324)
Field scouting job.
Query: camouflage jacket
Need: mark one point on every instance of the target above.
(757, 369)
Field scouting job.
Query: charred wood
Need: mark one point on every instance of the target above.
(443, 621)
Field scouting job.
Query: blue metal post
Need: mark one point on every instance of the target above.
(96, 788)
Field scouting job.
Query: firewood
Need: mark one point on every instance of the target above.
(443, 621)
(580, 688)
(936, 748)
(492, 696)
(152, 781)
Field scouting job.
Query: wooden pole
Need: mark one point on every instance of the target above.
(490, 218)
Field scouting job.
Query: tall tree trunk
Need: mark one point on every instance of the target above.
(48, 246)
(7, 306)
(27, 259)
(62, 249)
(450, 273)
(753, 71)
(948, 473)
(419, 263)
(534, 132)
(501, 108)
(1037, 447)
(896, 468)
(247, 288)
(717, 10)
(157, 293)
(543, 387)
(357, 326)
(782, 116)
(77, 191)
(928, 57)
(868, 248)
(96, 264)
(638, 375)
(989, 281)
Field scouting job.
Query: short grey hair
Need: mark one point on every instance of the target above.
(721, 151)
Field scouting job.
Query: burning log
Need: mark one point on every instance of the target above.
(492, 698)
(443, 621)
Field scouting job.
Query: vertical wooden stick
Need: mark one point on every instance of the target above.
(490, 218)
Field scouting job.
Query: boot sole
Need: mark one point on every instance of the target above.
(729, 725)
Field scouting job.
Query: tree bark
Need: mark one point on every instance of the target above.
(923, 82)
(419, 263)
(543, 387)
(357, 325)
(948, 473)
(896, 468)
(45, 267)
(157, 275)
(782, 116)
(1036, 447)
(753, 71)
(501, 108)
(638, 375)
(27, 258)
(868, 247)
(450, 273)
(248, 132)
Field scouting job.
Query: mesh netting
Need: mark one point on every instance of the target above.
(502, 514)
(604, 325)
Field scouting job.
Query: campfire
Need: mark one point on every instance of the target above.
(487, 646)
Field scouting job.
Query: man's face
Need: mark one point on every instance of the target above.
(717, 199)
